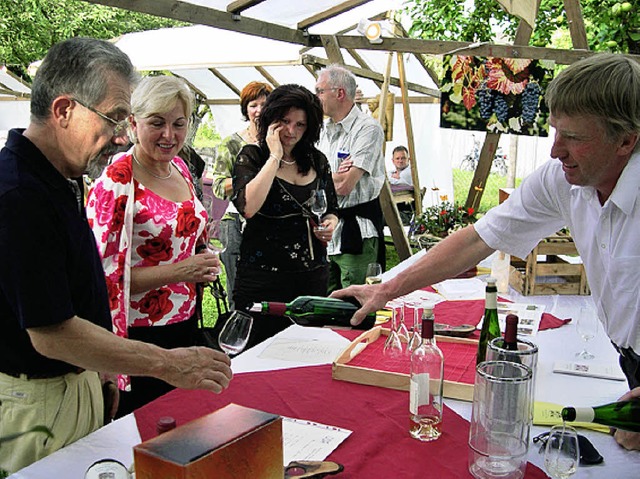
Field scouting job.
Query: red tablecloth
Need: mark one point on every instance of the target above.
(456, 313)
(380, 446)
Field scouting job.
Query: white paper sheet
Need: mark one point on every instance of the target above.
(461, 289)
(301, 350)
(310, 441)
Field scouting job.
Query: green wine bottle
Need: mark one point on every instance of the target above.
(316, 311)
(490, 325)
(622, 415)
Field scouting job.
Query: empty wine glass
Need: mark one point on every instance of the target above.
(235, 333)
(319, 207)
(393, 345)
(415, 337)
(562, 453)
(374, 274)
(587, 327)
(215, 244)
(401, 327)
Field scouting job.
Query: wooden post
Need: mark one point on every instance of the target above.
(417, 199)
(389, 208)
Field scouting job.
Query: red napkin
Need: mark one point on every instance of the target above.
(380, 445)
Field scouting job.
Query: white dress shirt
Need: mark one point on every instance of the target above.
(606, 236)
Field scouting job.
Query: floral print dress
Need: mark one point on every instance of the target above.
(135, 227)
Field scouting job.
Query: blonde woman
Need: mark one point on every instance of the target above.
(149, 225)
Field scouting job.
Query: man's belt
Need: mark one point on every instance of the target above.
(43, 375)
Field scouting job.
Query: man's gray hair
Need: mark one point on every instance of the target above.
(78, 67)
(339, 77)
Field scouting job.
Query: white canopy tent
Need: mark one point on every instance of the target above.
(14, 101)
(218, 74)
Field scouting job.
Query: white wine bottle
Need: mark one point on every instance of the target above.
(426, 384)
(622, 415)
(316, 311)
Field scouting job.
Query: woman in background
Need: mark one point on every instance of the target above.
(148, 225)
(252, 99)
(282, 256)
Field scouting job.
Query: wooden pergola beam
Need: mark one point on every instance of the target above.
(371, 75)
(225, 80)
(330, 13)
(241, 5)
(268, 76)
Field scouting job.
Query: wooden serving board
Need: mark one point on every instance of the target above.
(362, 362)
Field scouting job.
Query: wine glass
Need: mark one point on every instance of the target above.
(562, 453)
(319, 207)
(416, 332)
(587, 327)
(401, 327)
(393, 345)
(215, 244)
(235, 333)
(374, 273)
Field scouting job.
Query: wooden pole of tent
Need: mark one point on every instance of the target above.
(417, 197)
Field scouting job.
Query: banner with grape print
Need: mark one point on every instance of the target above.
(498, 95)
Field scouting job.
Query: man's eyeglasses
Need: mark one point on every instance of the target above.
(320, 91)
(119, 127)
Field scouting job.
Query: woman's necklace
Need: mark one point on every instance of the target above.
(151, 172)
(292, 162)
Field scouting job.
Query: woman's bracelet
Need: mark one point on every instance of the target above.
(275, 158)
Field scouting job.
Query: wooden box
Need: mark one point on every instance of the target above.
(229, 443)
(555, 274)
(344, 371)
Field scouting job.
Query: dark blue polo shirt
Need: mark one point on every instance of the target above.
(50, 269)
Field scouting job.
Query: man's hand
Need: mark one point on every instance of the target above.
(371, 298)
(197, 368)
(629, 440)
(345, 165)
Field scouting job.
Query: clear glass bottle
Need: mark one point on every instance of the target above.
(426, 384)
(490, 325)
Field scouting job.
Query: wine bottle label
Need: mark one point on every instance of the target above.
(584, 414)
(418, 392)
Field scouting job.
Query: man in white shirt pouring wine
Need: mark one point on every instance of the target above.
(592, 189)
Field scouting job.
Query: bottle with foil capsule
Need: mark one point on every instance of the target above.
(316, 311)
(490, 325)
(426, 384)
(510, 341)
(622, 414)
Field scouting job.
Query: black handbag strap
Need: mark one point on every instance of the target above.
(217, 291)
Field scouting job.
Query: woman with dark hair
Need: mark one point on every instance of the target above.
(283, 254)
(252, 98)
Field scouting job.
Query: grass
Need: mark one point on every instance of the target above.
(461, 182)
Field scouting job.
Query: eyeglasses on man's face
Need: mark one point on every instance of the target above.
(119, 127)
(320, 91)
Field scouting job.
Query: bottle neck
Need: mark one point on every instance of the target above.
(491, 300)
(427, 328)
(273, 308)
(511, 332)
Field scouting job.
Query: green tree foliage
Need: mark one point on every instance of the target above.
(28, 28)
(611, 25)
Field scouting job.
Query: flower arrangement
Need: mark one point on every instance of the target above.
(439, 221)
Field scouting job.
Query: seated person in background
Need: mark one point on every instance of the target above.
(400, 179)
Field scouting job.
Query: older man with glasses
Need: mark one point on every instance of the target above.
(55, 322)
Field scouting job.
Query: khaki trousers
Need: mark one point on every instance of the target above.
(71, 406)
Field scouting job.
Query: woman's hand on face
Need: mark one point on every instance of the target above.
(200, 268)
(273, 139)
